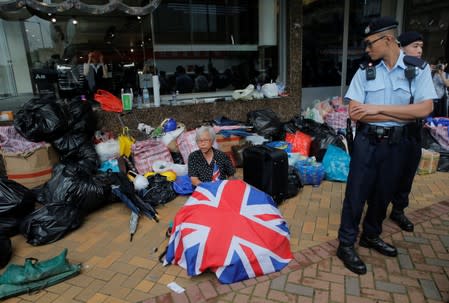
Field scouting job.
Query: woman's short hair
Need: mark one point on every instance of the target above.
(204, 129)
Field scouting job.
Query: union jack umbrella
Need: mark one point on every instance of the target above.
(232, 229)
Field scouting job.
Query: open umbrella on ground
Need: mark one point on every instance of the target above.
(232, 229)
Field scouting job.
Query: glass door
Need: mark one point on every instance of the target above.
(7, 84)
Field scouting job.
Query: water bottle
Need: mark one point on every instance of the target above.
(146, 97)
(139, 102)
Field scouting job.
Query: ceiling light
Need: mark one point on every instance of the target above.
(74, 21)
(53, 20)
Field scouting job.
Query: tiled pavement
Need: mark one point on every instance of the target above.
(116, 270)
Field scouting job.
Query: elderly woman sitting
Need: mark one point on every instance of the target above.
(208, 164)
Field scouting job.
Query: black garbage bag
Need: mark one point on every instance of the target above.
(5, 250)
(159, 191)
(50, 223)
(266, 123)
(85, 158)
(9, 225)
(294, 182)
(177, 158)
(83, 191)
(70, 142)
(44, 119)
(15, 199)
(84, 119)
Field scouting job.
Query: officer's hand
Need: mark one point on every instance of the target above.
(360, 110)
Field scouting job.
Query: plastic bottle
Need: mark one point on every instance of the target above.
(127, 99)
(139, 102)
(146, 97)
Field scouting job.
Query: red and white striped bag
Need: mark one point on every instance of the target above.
(146, 152)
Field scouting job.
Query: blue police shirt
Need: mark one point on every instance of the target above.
(391, 87)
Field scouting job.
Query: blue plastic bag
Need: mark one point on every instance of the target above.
(183, 185)
(283, 145)
(111, 164)
(336, 164)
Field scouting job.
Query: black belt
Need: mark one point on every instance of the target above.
(393, 134)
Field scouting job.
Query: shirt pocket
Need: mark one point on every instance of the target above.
(374, 92)
(401, 92)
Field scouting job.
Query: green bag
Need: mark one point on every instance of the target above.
(35, 275)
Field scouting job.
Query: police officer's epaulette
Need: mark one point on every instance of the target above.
(415, 61)
(365, 64)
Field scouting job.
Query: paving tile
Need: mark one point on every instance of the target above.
(430, 289)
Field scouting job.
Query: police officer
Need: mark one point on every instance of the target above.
(411, 44)
(379, 100)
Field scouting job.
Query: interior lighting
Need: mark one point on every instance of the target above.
(53, 20)
(74, 21)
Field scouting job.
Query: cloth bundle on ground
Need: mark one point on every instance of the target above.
(35, 275)
(232, 229)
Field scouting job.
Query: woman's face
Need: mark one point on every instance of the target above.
(204, 142)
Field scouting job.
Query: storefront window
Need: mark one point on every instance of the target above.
(217, 39)
(322, 46)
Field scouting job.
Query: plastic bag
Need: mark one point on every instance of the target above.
(336, 164)
(9, 226)
(108, 150)
(282, 145)
(310, 172)
(83, 191)
(5, 250)
(270, 90)
(159, 191)
(108, 102)
(300, 142)
(85, 159)
(265, 122)
(70, 142)
(15, 199)
(44, 119)
(50, 223)
(183, 185)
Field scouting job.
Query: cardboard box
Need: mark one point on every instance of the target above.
(30, 169)
(225, 143)
(429, 162)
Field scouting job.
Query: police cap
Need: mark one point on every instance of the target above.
(409, 37)
(379, 25)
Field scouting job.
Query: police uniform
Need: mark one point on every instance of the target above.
(376, 157)
(412, 155)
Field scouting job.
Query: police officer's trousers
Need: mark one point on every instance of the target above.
(373, 174)
(411, 153)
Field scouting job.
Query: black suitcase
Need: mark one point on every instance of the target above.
(266, 168)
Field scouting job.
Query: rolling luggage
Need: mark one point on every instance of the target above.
(266, 168)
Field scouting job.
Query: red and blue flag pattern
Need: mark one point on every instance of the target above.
(232, 229)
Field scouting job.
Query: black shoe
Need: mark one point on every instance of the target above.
(378, 244)
(351, 259)
(401, 220)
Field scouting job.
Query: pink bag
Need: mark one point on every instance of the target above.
(146, 152)
(187, 144)
(337, 119)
